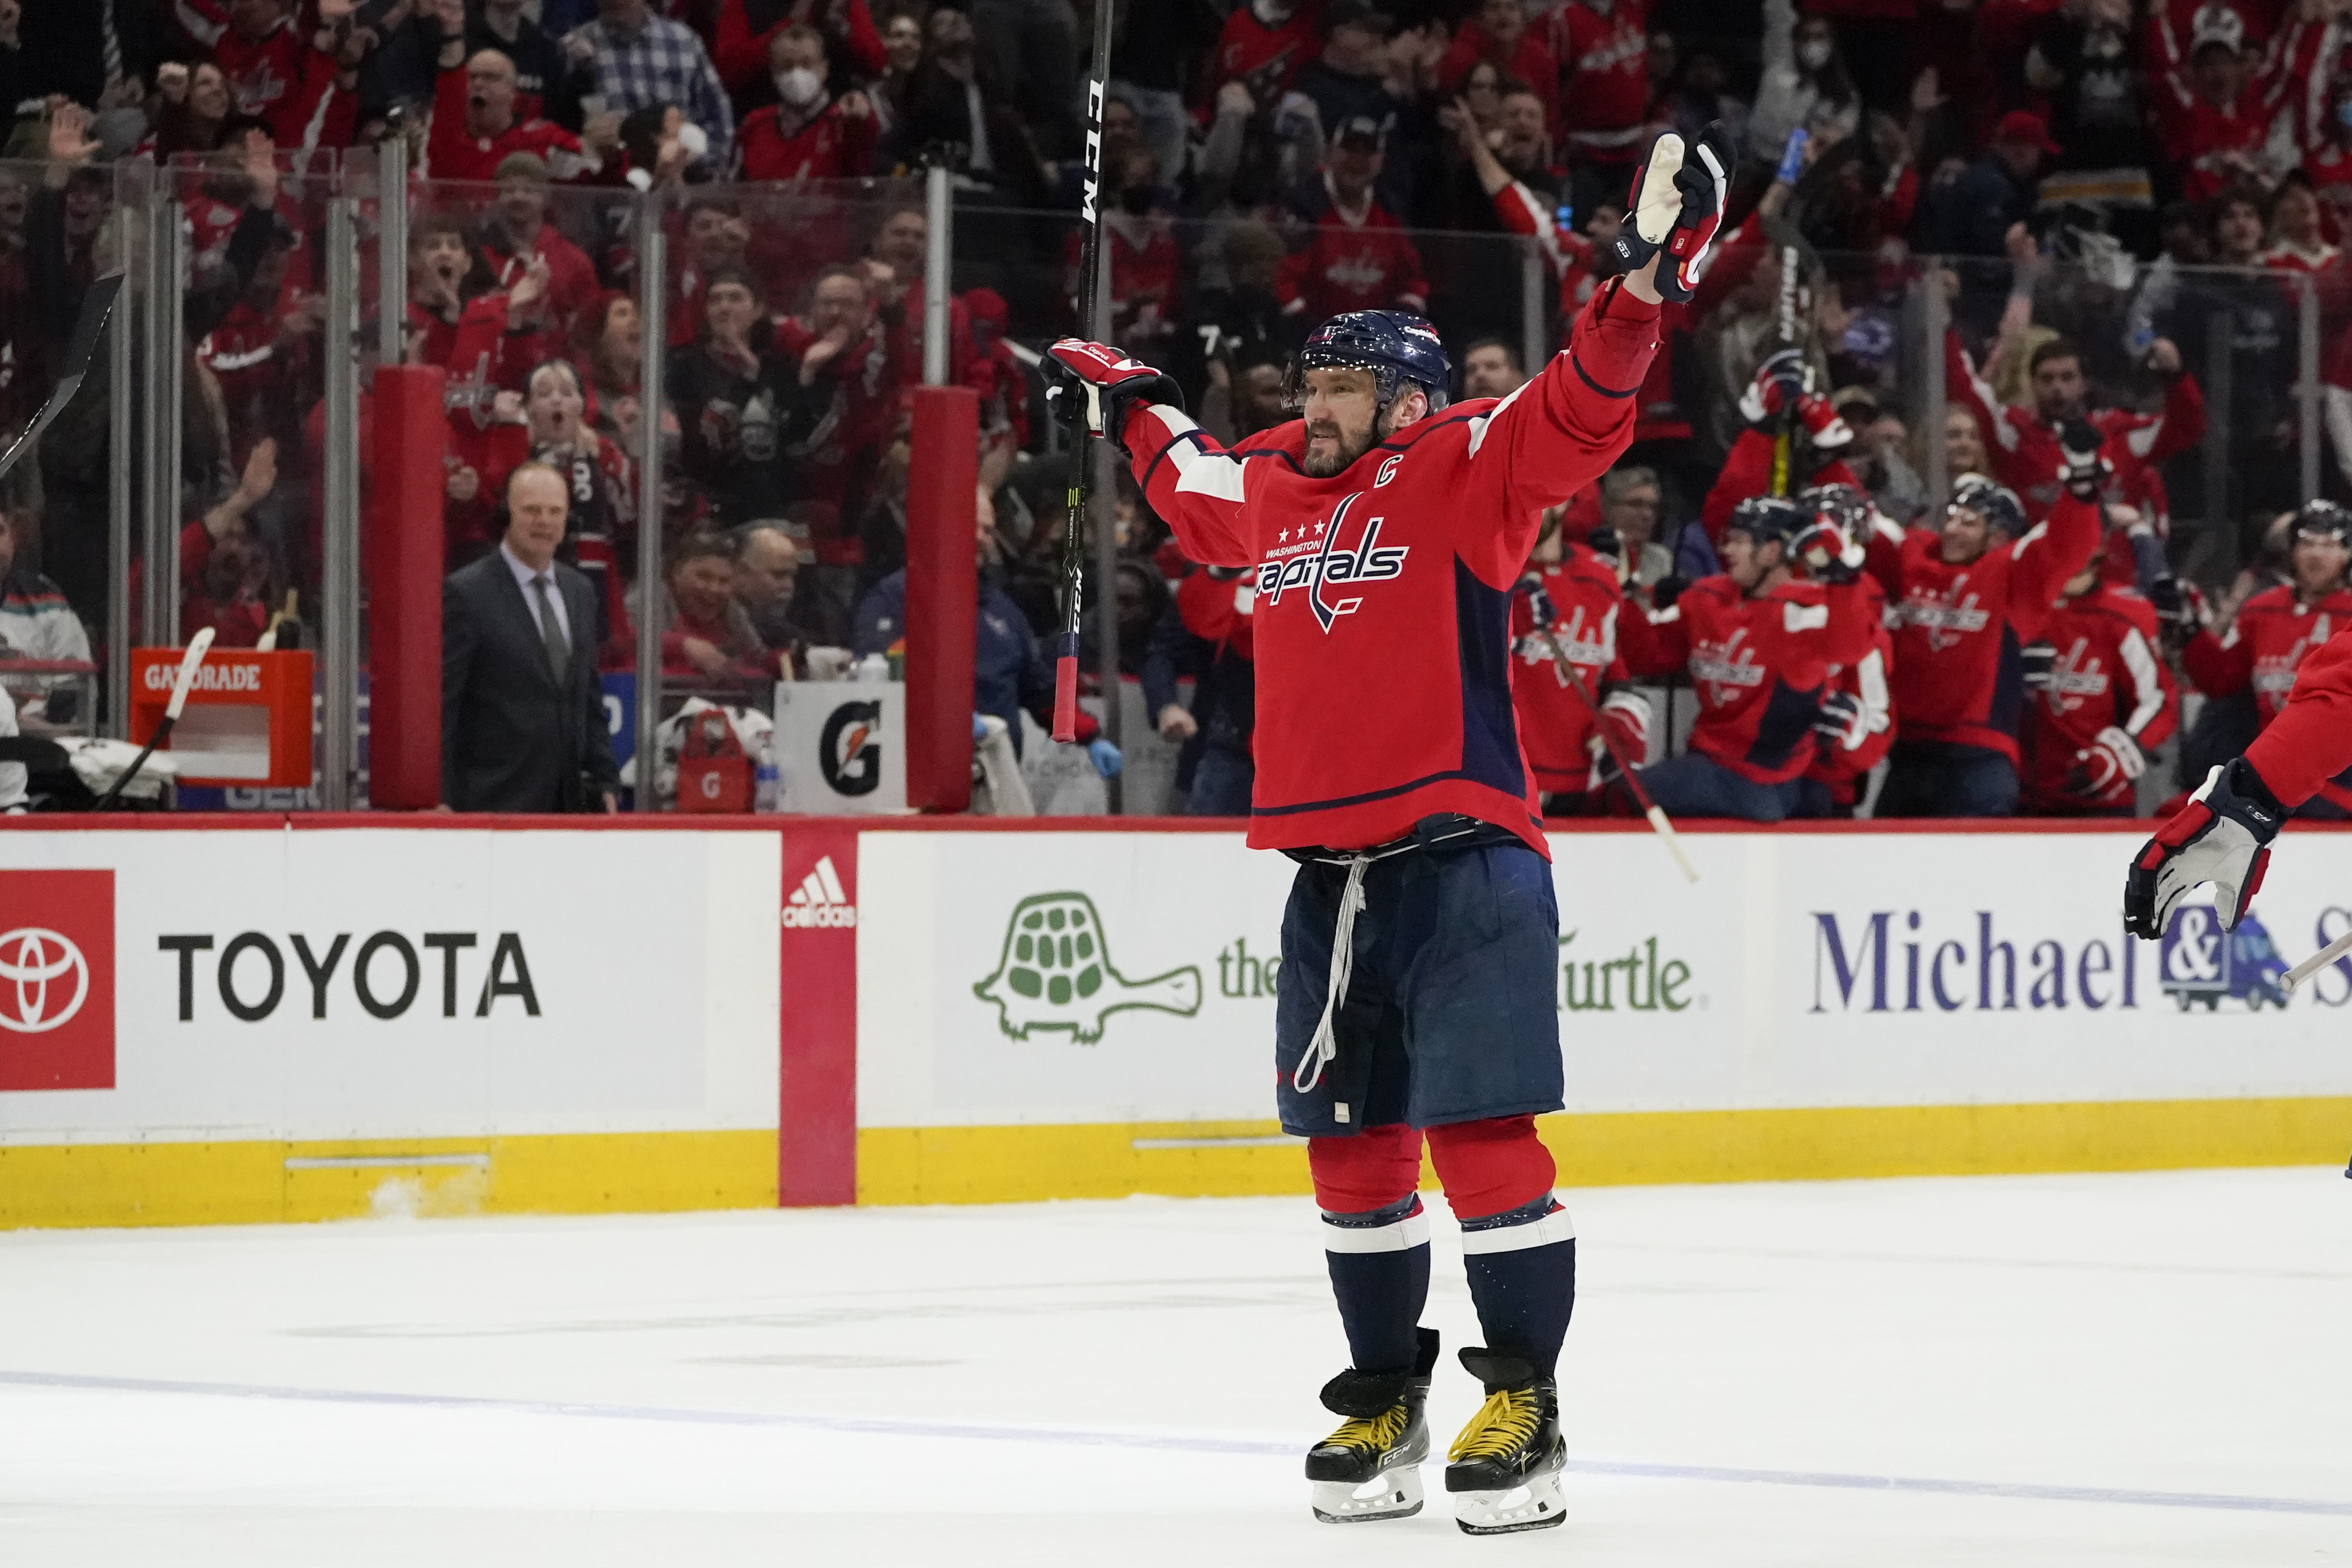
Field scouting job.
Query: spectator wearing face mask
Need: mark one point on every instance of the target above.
(1804, 83)
(808, 134)
(744, 41)
(1147, 271)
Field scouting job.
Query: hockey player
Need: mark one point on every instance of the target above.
(1758, 644)
(1570, 600)
(1856, 726)
(2223, 834)
(1965, 604)
(2278, 628)
(1386, 531)
(1779, 398)
(2099, 700)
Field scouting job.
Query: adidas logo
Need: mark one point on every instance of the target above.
(819, 903)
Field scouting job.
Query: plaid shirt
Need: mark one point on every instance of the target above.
(662, 64)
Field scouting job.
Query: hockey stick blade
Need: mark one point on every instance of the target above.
(97, 301)
(198, 646)
(2317, 962)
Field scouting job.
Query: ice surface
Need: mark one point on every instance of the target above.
(2154, 1367)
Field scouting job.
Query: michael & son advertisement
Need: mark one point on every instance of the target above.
(1128, 978)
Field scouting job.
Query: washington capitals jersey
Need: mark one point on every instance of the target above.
(1959, 628)
(2265, 645)
(1381, 615)
(2311, 741)
(1555, 725)
(2103, 674)
(1758, 664)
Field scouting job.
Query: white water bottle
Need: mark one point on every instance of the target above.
(766, 781)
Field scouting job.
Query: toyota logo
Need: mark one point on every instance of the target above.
(37, 968)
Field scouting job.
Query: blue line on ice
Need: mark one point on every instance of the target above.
(1203, 1445)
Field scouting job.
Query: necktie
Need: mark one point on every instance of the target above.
(551, 630)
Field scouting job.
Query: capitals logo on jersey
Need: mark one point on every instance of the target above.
(1728, 663)
(2274, 673)
(2076, 676)
(1323, 557)
(1947, 617)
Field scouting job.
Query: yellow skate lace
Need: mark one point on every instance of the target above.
(1509, 1419)
(1372, 1433)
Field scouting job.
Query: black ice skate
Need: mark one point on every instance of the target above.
(1505, 1469)
(1371, 1468)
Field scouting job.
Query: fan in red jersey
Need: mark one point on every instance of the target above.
(1760, 644)
(1966, 601)
(1386, 532)
(2098, 701)
(2276, 630)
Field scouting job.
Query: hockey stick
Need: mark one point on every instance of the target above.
(1082, 482)
(95, 302)
(1659, 821)
(2317, 962)
(1784, 441)
(197, 647)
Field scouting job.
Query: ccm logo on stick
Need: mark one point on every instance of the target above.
(386, 973)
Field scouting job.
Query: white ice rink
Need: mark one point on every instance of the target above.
(2076, 1370)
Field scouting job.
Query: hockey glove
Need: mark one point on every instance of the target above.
(1781, 382)
(1626, 715)
(1844, 720)
(2105, 770)
(2081, 468)
(2180, 611)
(1608, 548)
(1665, 591)
(1826, 551)
(1824, 426)
(1538, 603)
(2222, 836)
(1105, 382)
(1676, 206)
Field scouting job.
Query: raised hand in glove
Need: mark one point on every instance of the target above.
(1824, 426)
(2105, 770)
(1677, 206)
(1106, 383)
(2180, 611)
(1778, 384)
(1827, 552)
(2222, 836)
(1666, 589)
(2080, 467)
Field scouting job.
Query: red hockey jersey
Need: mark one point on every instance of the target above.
(2274, 634)
(2105, 673)
(1841, 764)
(1604, 76)
(277, 76)
(1555, 726)
(2310, 742)
(1262, 59)
(1351, 261)
(831, 145)
(1759, 665)
(454, 153)
(1382, 612)
(1959, 628)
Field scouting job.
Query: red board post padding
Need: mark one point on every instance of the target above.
(247, 722)
(56, 979)
(943, 593)
(816, 1126)
(401, 547)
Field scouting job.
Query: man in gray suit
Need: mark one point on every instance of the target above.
(522, 717)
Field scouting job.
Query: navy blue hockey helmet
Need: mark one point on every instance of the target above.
(1396, 346)
(1768, 520)
(1997, 504)
(2323, 520)
(1844, 506)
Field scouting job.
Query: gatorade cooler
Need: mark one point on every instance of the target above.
(247, 722)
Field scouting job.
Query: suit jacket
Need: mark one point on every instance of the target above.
(513, 738)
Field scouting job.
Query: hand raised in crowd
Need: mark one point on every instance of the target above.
(823, 353)
(356, 46)
(10, 14)
(1234, 97)
(882, 282)
(2020, 243)
(530, 289)
(451, 15)
(308, 315)
(506, 407)
(577, 49)
(1926, 92)
(70, 140)
(259, 162)
(854, 106)
(601, 134)
(2164, 356)
(1176, 724)
(172, 81)
(332, 13)
(464, 484)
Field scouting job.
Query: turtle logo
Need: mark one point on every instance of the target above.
(1056, 973)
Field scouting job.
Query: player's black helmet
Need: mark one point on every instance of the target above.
(1768, 520)
(1844, 506)
(1396, 346)
(2326, 520)
(1997, 504)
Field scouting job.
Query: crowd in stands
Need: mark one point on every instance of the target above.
(2129, 213)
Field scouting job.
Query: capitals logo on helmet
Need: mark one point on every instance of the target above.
(1997, 504)
(1396, 346)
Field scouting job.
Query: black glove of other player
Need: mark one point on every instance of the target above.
(1118, 382)
(1666, 589)
(2081, 468)
(2222, 836)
